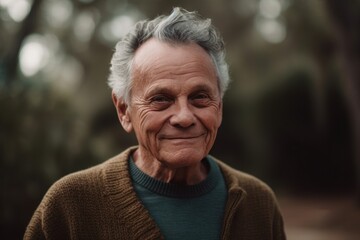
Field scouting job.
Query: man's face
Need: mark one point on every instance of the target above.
(175, 105)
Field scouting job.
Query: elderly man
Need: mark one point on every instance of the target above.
(168, 77)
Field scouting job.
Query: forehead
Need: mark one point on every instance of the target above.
(156, 59)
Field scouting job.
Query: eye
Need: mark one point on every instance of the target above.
(160, 99)
(160, 102)
(200, 96)
(200, 99)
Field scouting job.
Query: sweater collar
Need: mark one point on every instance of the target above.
(177, 190)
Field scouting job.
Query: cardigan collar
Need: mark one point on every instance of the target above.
(120, 191)
(123, 199)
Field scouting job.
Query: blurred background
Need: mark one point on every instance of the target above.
(291, 115)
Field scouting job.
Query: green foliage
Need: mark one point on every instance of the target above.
(39, 144)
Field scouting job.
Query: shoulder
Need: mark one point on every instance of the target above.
(257, 204)
(89, 181)
(252, 186)
(79, 198)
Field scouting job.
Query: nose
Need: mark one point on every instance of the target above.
(183, 116)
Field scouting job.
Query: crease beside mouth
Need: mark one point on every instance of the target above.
(175, 138)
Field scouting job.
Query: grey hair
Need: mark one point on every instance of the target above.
(180, 26)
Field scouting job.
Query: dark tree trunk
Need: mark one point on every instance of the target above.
(346, 17)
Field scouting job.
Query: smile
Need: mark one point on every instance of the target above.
(182, 137)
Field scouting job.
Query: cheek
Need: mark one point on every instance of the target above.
(211, 119)
(151, 122)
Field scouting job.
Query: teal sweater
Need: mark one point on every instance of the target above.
(184, 212)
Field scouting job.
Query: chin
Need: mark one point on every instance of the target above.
(182, 158)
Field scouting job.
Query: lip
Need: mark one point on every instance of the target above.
(181, 137)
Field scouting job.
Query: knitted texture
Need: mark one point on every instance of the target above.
(181, 210)
(100, 203)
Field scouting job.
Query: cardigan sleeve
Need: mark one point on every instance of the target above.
(35, 230)
(50, 218)
(278, 225)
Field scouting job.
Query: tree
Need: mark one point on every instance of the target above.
(346, 17)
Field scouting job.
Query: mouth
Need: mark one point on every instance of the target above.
(182, 137)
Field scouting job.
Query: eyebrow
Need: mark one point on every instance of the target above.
(203, 87)
(165, 90)
(156, 90)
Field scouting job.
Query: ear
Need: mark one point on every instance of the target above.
(123, 113)
(220, 113)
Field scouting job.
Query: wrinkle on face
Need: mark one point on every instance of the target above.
(175, 137)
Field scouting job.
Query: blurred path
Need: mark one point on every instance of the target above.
(321, 218)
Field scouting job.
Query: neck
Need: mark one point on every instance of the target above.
(188, 175)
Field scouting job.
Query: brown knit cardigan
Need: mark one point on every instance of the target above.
(100, 203)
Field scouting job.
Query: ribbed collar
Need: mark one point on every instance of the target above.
(177, 190)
